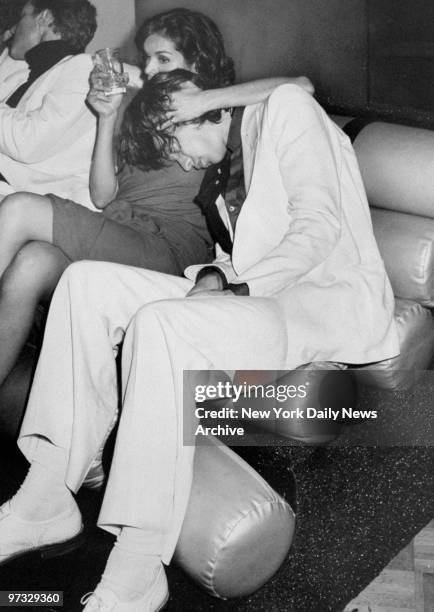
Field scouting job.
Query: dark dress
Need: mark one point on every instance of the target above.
(153, 223)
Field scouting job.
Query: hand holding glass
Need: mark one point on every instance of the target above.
(110, 71)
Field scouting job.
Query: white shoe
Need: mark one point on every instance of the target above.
(154, 600)
(52, 537)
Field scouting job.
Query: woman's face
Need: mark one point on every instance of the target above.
(162, 56)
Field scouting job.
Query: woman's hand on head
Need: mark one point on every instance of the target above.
(104, 105)
(188, 103)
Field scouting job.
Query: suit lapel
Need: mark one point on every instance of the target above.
(249, 138)
(260, 224)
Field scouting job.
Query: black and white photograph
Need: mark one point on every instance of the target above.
(216, 305)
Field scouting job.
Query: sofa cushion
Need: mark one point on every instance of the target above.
(327, 385)
(396, 163)
(237, 530)
(406, 245)
(416, 337)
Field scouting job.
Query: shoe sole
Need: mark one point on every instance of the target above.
(50, 550)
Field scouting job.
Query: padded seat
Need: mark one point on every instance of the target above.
(406, 243)
(416, 338)
(328, 384)
(234, 521)
(396, 166)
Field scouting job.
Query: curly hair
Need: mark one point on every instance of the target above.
(10, 13)
(199, 40)
(142, 141)
(74, 20)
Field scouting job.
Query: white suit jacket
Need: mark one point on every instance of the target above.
(304, 234)
(12, 73)
(46, 142)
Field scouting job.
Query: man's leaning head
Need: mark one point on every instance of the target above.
(73, 21)
(193, 144)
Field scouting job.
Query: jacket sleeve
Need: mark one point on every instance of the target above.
(29, 137)
(309, 165)
(222, 261)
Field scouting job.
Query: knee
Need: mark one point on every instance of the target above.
(13, 209)
(147, 314)
(35, 265)
(83, 272)
(76, 274)
(91, 278)
(78, 269)
(161, 313)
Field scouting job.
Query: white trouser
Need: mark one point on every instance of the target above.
(74, 397)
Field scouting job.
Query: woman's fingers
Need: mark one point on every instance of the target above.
(100, 98)
(96, 94)
(98, 88)
(104, 104)
(186, 104)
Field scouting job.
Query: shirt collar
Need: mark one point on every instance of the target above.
(46, 54)
(234, 137)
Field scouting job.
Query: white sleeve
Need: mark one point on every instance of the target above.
(222, 261)
(30, 137)
(309, 167)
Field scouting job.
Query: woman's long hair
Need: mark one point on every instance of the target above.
(199, 40)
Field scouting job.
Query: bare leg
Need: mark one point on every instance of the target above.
(29, 279)
(23, 217)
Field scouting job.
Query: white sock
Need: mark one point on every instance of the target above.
(132, 563)
(44, 494)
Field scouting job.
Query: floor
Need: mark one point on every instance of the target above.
(406, 584)
(358, 507)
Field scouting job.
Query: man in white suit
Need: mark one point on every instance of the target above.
(47, 132)
(304, 282)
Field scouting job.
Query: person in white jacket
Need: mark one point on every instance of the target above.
(47, 132)
(15, 72)
(303, 281)
(137, 201)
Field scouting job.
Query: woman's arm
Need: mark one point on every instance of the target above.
(103, 181)
(192, 102)
(252, 92)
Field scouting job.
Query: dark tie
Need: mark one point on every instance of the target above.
(40, 58)
(214, 184)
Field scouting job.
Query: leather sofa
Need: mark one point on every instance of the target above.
(235, 520)
(396, 163)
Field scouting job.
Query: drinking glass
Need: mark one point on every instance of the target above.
(110, 70)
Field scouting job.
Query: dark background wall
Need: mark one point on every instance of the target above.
(364, 56)
(275, 37)
(401, 53)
